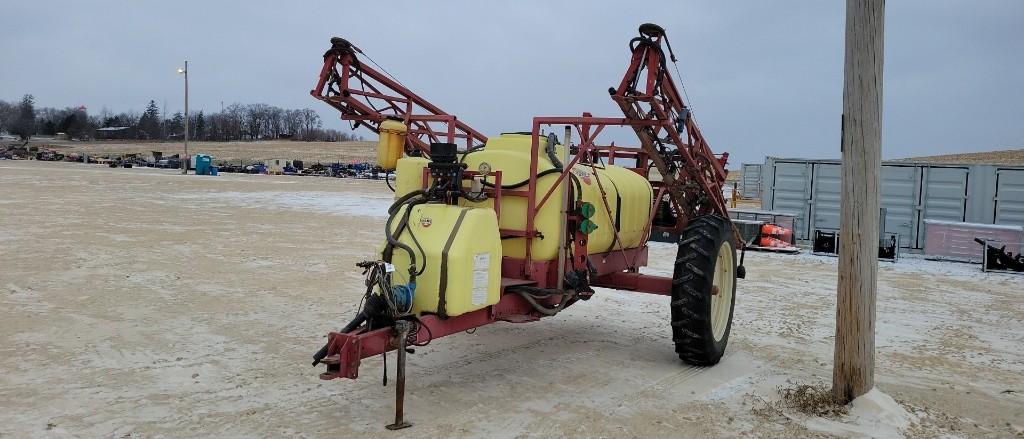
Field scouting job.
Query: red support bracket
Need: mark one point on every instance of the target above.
(642, 283)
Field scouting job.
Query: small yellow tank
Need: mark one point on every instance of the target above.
(461, 250)
(409, 175)
(391, 143)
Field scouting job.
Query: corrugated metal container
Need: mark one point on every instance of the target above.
(911, 192)
(955, 240)
(750, 181)
(1009, 198)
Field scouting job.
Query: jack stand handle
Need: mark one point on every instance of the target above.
(402, 328)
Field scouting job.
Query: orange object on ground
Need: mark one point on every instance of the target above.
(768, 241)
(778, 232)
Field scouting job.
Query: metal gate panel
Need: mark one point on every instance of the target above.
(899, 194)
(943, 197)
(791, 191)
(1009, 198)
(826, 188)
(750, 180)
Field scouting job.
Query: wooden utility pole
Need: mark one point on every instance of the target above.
(854, 371)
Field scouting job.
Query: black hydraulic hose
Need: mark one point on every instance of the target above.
(481, 197)
(524, 182)
(539, 292)
(468, 151)
(418, 246)
(579, 190)
(401, 200)
(541, 308)
(355, 323)
(320, 355)
(370, 307)
(552, 154)
(392, 239)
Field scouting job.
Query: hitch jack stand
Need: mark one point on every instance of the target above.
(402, 328)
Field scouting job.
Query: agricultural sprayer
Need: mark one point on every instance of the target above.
(518, 227)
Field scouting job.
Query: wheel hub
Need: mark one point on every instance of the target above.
(722, 291)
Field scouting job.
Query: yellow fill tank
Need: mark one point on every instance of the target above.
(628, 196)
(391, 143)
(460, 258)
(409, 175)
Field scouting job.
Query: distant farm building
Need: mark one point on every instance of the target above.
(114, 133)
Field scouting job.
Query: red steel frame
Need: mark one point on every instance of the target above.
(691, 178)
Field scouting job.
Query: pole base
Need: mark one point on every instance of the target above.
(398, 425)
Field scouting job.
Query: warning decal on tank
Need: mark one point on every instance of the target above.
(583, 175)
(481, 278)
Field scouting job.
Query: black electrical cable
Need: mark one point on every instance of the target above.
(387, 180)
(419, 324)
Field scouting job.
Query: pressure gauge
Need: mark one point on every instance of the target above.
(484, 168)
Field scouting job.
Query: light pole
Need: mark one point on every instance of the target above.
(184, 163)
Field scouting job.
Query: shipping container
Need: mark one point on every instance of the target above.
(911, 192)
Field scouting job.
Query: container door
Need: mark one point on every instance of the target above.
(791, 193)
(900, 194)
(944, 196)
(1010, 197)
(751, 181)
(827, 187)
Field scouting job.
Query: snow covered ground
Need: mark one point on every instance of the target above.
(141, 303)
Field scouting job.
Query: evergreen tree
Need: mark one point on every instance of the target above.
(149, 123)
(176, 125)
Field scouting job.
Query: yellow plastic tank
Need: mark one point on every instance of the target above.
(391, 143)
(409, 175)
(628, 196)
(460, 258)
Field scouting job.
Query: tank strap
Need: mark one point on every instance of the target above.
(442, 289)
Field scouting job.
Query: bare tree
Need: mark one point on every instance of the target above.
(8, 114)
(310, 122)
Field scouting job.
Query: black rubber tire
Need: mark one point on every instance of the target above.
(692, 283)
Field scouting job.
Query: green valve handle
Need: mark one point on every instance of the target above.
(587, 226)
(587, 210)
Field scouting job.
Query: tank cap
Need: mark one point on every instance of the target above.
(652, 30)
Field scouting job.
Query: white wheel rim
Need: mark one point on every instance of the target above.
(721, 303)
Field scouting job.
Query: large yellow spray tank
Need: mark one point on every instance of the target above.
(391, 143)
(628, 197)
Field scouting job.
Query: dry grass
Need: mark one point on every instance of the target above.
(812, 399)
(1005, 157)
(809, 399)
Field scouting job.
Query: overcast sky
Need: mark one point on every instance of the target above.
(765, 77)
